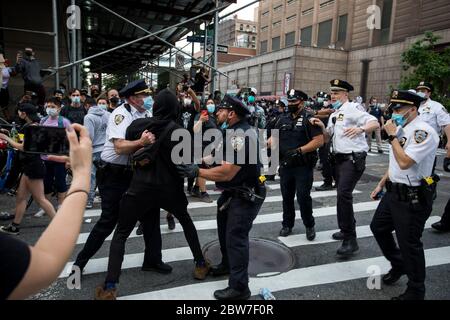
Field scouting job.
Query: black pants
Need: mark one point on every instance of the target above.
(233, 227)
(298, 180)
(327, 168)
(144, 205)
(111, 186)
(408, 222)
(347, 176)
(445, 220)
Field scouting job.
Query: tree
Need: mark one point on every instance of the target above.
(427, 63)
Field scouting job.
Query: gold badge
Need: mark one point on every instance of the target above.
(336, 82)
(395, 94)
(422, 83)
(118, 119)
(340, 117)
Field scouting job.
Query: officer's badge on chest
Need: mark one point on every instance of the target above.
(420, 136)
(237, 143)
(340, 117)
(426, 110)
(299, 122)
(118, 119)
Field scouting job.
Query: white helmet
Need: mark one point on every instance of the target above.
(254, 91)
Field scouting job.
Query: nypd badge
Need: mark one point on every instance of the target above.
(118, 119)
(420, 136)
(237, 143)
(340, 117)
(336, 82)
(395, 94)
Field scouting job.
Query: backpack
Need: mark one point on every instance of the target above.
(60, 121)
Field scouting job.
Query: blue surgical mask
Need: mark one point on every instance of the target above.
(224, 126)
(422, 95)
(251, 99)
(336, 105)
(400, 119)
(51, 112)
(211, 108)
(76, 99)
(148, 103)
(103, 106)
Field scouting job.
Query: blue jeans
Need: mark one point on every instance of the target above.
(95, 156)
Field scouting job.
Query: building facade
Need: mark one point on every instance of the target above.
(238, 33)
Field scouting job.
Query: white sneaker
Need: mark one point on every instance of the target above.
(40, 213)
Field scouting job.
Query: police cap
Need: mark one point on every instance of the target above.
(135, 88)
(401, 98)
(340, 85)
(234, 104)
(295, 95)
(425, 85)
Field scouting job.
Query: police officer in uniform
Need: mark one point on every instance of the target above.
(346, 129)
(408, 202)
(114, 171)
(241, 199)
(298, 144)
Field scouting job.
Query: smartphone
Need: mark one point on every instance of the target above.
(204, 112)
(46, 140)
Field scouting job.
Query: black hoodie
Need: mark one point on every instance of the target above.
(161, 173)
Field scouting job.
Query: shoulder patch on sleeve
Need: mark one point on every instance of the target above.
(118, 119)
(420, 136)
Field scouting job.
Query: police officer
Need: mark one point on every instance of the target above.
(346, 129)
(408, 201)
(298, 144)
(114, 171)
(323, 111)
(241, 199)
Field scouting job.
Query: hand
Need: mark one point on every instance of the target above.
(188, 170)
(317, 122)
(5, 132)
(391, 128)
(353, 132)
(147, 138)
(293, 153)
(204, 117)
(375, 191)
(4, 136)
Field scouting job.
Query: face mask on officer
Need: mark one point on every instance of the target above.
(401, 119)
(293, 108)
(422, 94)
(336, 105)
(114, 100)
(148, 103)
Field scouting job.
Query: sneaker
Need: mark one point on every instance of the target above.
(89, 205)
(196, 192)
(40, 213)
(170, 222)
(10, 229)
(105, 294)
(205, 197)
(201, 270)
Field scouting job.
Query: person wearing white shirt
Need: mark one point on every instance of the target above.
(346, 129)
(408, 201)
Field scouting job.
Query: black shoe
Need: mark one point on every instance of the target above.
(285, 231)
(338, 236)
(325, 187)
(160, 267)
(232, 294)
(196, 192)
(10, 229)
(392, 276)
(270, 177)
(439, 226)
(310, 234)
(348, 248)
(219, 270)
(170, 222)
(140, 229)
(410, 294)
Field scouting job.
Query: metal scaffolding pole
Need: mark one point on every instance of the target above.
(216, 28)
(144, 37)
(29, 31)
(55, 42)
(206, 41)
(159, 38)
(73, 50)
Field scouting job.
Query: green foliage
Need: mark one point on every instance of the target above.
(118, 81)
(428, 64)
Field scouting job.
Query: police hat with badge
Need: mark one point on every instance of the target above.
(134, 88)
(296, 95)
(425, 85)
(323, 95)
(234, 104)
(402, 98)
(341, 85)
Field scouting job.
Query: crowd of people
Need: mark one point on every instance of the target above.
(125, 148)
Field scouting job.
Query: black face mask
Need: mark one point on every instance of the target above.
(293, 109)
(29, 53)
(114, 100)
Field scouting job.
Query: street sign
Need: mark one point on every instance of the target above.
(220, 48)
(200, 39)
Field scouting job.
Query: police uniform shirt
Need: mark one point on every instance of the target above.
(118, 123)
(295, 132)
(420, 143)
(348, 116)
(434, 114)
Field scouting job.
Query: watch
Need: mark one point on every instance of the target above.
(391, 138)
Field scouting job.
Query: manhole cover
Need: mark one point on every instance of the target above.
(267, 258)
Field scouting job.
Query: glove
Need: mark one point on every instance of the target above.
(188, 170)
(293, 153)
(447, 164)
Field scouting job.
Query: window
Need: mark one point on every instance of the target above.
(324, 37)
(306, 12)
(289, 2)
(275, 43)
(263, 47)
(263, 29)
(386, 21)
(241, 27)
(254, 29)
(290, 39)
(326, 4)
(276, 24)
(342, 28)
(277, 8)
(291, 18)
(305, 36)
(265, 14)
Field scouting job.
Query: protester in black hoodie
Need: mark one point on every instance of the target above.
(155, 185)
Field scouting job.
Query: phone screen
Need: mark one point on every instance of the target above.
(46, 140)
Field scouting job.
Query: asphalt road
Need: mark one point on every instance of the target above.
(316, 272)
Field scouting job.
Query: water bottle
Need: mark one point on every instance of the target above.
(266, 294)
(14, 133)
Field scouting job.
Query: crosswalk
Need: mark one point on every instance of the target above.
(321, 270)
(386, 150)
